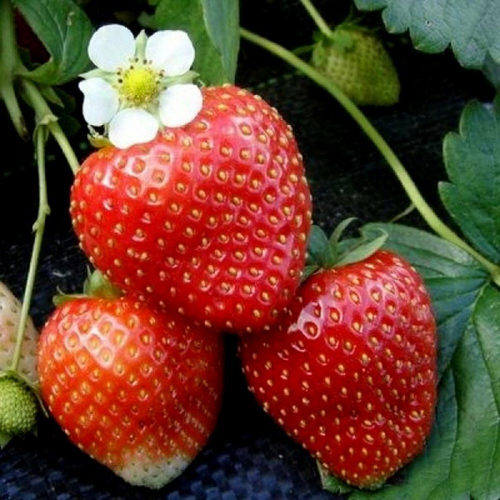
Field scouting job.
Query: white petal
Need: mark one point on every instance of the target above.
(111, 47)
(132, 126)
(171, 51)
(180, 104)
(100, 101)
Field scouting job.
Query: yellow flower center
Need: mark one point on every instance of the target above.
(139, 86)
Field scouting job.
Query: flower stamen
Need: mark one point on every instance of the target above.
(139, 86)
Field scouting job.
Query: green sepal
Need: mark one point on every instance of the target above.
(96, 285)
(362, 249)
(337, 233)
(320, 251)
(97, 140)
(335, 485)
(334, 251)
(341, 39)
(331, 483)
(308, 271)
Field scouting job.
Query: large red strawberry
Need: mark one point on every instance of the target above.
(136, 389)
(210, 219)
(350, 373)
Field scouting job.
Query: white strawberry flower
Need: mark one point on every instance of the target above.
(140, 84)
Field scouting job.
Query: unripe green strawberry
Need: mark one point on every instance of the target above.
(18, 407)
(357, 62)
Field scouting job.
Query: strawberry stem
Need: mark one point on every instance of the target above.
(9, 61)
(366, 126)
(45, 117)
(317, 18)
(38, 227)
(12, 69)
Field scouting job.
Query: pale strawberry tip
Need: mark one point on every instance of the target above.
(141, 471)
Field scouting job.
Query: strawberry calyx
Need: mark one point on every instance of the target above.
(339, 38)
(96, 285)
(325, 252)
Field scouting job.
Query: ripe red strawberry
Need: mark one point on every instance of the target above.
(210, 219)
(350, 373)
(137, 390)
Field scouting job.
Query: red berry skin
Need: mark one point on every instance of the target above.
(210, 219)
(138, 390)
(351, 372)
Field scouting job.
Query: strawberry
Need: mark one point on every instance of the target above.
(137, 389)
(356, 60)
(18, 370)
(350, 372)
(210, 219)
(18, 408)
(10, 312)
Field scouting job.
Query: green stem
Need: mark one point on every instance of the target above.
(46, 117)
(9, 62)
(409, 186)
(317, 18)
(38, 227)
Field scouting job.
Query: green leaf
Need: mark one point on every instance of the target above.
(472, 159)
(65, 31)
(212, 25)
(469, 27)
(462, 456)
(491, 70)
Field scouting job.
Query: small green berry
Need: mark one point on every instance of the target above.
(18, 407)
(358, 63)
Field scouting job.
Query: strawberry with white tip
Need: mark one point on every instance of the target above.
(136, 389)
